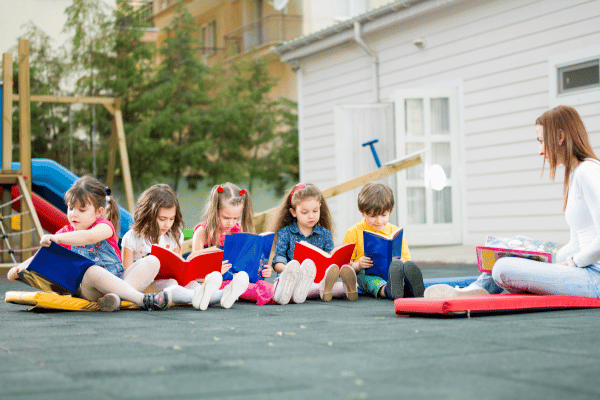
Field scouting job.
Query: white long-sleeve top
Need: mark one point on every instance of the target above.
(583, 215)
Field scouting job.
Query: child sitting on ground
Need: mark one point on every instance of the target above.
(375, 203)
(157, 220)
(226, 206)
(304, 216)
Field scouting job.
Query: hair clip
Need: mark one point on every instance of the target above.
(220, 189)
(298, 186)
(242, 192)
(107, 191)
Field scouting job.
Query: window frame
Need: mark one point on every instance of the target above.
(572, 97)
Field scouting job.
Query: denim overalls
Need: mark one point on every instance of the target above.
(102, 254)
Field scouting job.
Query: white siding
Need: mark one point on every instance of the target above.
(499, 52)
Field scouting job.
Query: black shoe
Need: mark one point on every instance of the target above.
(395, 283)
(413, 280)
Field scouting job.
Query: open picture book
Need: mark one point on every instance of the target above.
(247, 252)
(339, 256)
(516, 246)
(56, 269)
(197, 265)
(382, 249)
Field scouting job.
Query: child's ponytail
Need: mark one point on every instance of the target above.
(247, 213)
(111, 212)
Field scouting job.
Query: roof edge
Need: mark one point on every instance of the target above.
(379, 18)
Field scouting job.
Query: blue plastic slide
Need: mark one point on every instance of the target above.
(50, 180)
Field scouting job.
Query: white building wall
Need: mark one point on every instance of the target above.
(497, 53)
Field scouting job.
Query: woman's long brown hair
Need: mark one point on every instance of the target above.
(576, 144)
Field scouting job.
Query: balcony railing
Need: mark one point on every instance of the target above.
(271, 30)
(141, 15)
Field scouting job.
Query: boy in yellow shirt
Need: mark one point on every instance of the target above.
(375, 203)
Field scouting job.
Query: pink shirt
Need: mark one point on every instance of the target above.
(237, 228)
(111, 240)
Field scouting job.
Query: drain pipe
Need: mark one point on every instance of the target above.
(373, 56)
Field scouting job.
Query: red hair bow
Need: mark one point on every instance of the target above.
(220, 189)
(242, 192)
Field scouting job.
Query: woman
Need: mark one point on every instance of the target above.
(563, 140)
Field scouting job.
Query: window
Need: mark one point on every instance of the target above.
(578, 77)
(428, 194)
(209, 36)
(574, 78)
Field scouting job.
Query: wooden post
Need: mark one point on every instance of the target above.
(112, 155)
(25, 140)
(7, 93)
(124, 157)
(7, 145)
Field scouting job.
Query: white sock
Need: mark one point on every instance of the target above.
(339, 291)
(313, 292)
(180, 295)
(216, 297)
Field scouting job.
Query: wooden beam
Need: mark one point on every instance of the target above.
(112, 154)
(110, 108)
(7, 125)
(25, 141)
(68, 99)
(379, 173)
(265, 218)
(124, 160)
(34, 217)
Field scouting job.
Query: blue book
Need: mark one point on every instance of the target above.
(56, 269)
(382, 249)
(247, 252)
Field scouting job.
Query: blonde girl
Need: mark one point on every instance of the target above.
(158, 220)
(229, 210)
(93, 215)
(304, 216)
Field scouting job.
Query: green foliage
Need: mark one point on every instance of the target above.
(169, 137)
(254, 137)
(180, 117)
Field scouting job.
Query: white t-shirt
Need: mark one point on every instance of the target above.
(583, 215)
(140, 247)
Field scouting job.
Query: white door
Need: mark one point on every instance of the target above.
(356, 124)
(429, 206)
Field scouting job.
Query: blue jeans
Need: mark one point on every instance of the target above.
(522, 275)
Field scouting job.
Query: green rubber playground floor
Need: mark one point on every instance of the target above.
(315, 350)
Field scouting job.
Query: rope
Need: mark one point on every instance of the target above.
(12, 251)
(5, 235)
(12, 201)
(14, 215)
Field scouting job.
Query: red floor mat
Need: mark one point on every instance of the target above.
(499, 303)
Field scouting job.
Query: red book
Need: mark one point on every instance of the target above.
(339, 256)
(197, 265)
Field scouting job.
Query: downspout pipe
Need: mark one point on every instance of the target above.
(374, 59)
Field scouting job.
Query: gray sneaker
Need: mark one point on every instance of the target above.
(109, 302)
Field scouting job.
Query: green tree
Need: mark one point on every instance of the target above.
(254, 136)
(92, 27)
(170, 137)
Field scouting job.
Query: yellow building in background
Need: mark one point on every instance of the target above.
(231, 29)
